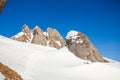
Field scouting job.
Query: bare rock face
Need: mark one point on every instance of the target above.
(24, 36)
(2, 5)
(50, 38)
(39, 37)
(80, 45)
(55, 38)
(26, 29)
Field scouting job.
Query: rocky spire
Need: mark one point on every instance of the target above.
(25, 29)
(81, 46)
(39, 37)
(24, 36)
(50, 38)
(56, 38)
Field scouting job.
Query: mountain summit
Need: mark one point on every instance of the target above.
(81, 46)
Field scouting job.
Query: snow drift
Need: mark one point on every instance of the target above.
(35, 62)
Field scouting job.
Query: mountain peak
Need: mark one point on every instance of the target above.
(50, 38)
(25, 29)
(37, 30)
(36, 26)
(82, 47)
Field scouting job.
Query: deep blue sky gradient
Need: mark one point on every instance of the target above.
(98, 19)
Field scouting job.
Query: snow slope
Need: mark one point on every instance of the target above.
(1, 76)
(35, 62)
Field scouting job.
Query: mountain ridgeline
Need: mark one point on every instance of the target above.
(76, 42)
(50, 38)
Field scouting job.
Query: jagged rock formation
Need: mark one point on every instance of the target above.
(80, 45)
(8, 73)
(39, 37)
(25, 35)
(2, 5)
(50, 38)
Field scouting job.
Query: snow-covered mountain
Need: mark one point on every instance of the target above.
(77, 42)
(36, 62)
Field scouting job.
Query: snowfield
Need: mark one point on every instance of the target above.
(1, 76)
(35, 62)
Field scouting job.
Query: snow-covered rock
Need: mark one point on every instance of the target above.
(26, 35)
(1, 76)
(72, 34)
(81, 46)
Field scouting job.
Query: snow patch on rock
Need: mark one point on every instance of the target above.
(72, 34)
(19, 34)
(45, 33)
(58, 42)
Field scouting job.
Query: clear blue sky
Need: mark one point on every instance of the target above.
(99, 19)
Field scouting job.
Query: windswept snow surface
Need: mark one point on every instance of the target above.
(35, 62)
(1, 76)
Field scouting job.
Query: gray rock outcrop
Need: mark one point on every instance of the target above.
(55, 38)
(23, 36)
(50, 38)
(80, 45)
(39, 37)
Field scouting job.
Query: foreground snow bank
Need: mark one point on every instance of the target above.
(1, 76)
(35, 62)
